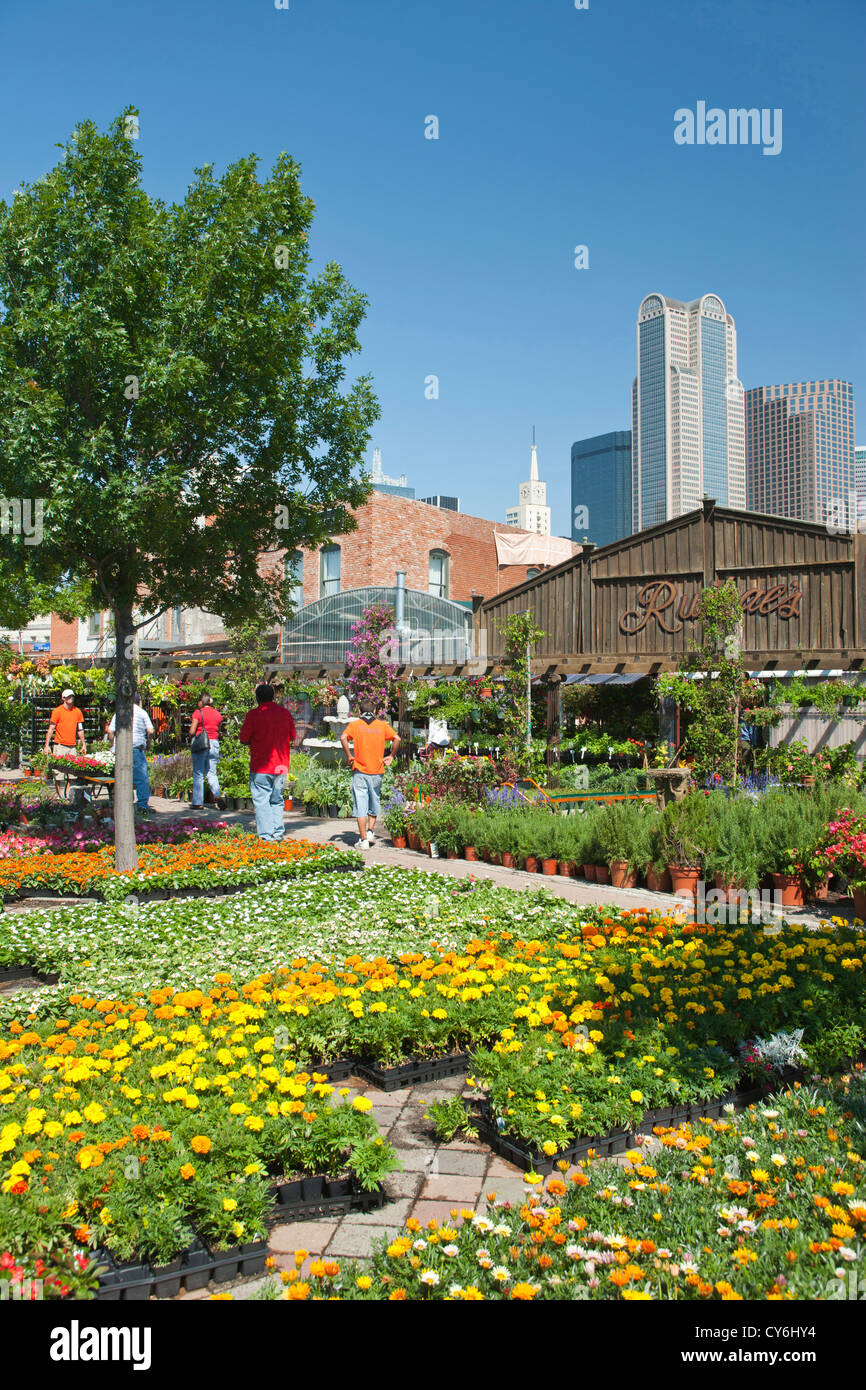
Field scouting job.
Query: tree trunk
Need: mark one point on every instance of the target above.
(125, 849)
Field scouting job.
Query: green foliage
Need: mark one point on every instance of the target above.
(521, 634)
(450, 1117)
(712, 684)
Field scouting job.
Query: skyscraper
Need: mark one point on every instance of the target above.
(860, 469)
(688, 428)
(532, 512)
(800, 448)
(601, 488)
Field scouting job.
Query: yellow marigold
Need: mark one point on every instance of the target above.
(187, 1171)
(362, 1103)
(200, 1144)
(524, 1292)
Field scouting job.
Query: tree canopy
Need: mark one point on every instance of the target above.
(172, 392)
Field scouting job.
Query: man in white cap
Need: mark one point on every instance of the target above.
(142, 733)
(66, 727)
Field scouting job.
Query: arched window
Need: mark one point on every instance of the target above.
(531, 573)
(294, 564)
(329, 574)
(438, 584)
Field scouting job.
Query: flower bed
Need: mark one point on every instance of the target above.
(206, 863)
(66, 839)
(766, 1205)
(579, 1023)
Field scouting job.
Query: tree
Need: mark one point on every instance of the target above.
(170, 392)
(712, 683)
(521, 635)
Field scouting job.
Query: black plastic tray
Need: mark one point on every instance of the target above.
(415, 1072)
(194, 1269)
(515, 1151)
(309, 1199)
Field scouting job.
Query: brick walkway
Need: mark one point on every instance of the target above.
(437, 1181)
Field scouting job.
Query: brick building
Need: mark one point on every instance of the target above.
(443, 552)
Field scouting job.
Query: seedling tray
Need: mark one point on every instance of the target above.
(310, 1199)
(132, 1281)
(518, 1152)
(27, 972)
(414, 1072)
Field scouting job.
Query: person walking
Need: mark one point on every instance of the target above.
(268, 731)
(142, 733)
(204, 731)
(368, 736)
(66, 730)
(65, 727)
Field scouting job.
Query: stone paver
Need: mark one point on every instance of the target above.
(465, 1190)
(301, 1235)
(391, 1214)
(439, 1212)
(462, 1164)
(357, 1240)
(406, 1184)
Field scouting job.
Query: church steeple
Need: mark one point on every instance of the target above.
(532, 512)
(533, 469)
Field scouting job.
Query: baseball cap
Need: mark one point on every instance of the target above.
(64, 693)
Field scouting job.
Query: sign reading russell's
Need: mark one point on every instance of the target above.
(663, 601)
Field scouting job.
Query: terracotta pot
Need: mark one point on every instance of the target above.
(657, 882)
(287, 802)
(621, 876)
(602, 873)
(493, 858)
(414, 840)
(507, 860)
(566, 868)
(792, 889)
(469, 853)
(589, 873)
(530, 864)
(683, 878)
(424, 846)
(451, 854)
(548, 866)
(399, 841)
(820, 891)
(859, 895)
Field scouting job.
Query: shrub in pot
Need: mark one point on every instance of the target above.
(686, 840)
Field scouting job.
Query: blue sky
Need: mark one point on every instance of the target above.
(556, 129)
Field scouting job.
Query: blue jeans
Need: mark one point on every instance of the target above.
(204, 765)
(365, 794)
(140, 779)
(267, 790)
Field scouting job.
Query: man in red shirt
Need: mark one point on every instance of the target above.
(268, 730)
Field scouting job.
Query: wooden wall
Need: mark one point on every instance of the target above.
(628, 604)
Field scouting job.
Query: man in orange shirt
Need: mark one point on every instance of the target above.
(368, 736)
(66, 727)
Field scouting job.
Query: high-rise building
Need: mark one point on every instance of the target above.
(532, 512)
(688, 429)
(381, 483)
(860, 469)
(800, 448)
(601, 488)
(448, 504)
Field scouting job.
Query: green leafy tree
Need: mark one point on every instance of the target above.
(171, 391)
(712, 683)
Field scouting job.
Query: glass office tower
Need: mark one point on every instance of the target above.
(601, 490)
(688, 426)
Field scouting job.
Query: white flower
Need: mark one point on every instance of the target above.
(450, 1251)
(846, 1253)
(455, 1290)
(419, 1245)
(500, 1274)
(482, 1224)
(429, 1276)
(779, 1159)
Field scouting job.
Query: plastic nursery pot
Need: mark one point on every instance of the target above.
(589, 873)
(548, 866)
(469, 853)
(602, 873)
(507, 860)
(621, 876)
(451, 854)
(399, 841)
(530, 864)
(657, 882)
(792, 889)
(683, 879)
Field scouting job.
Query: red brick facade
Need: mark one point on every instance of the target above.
(398, 533)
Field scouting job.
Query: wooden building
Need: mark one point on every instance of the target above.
(630, 607)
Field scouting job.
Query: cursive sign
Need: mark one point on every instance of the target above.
(663, 601)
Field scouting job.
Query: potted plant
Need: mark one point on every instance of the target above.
(685, 841)
(395, 822)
